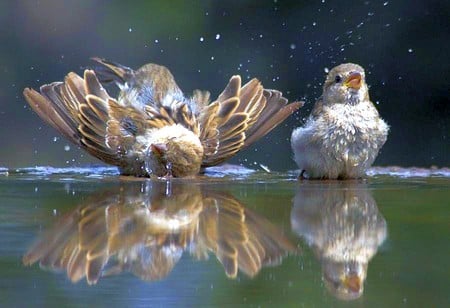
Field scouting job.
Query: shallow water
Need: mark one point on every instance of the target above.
(233, 237)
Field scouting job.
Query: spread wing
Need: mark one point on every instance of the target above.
(78, 109)
(239, 117)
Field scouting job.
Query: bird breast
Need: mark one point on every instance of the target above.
(350, 131)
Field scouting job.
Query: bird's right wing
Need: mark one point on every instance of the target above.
(78, 109)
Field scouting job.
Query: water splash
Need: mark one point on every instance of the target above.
(226, 171)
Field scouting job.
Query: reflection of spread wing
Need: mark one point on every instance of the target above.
(77, 244)
(120, 230)
(239, 117)
(145, 230)
(238, 237)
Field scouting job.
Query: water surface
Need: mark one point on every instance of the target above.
(233, 237)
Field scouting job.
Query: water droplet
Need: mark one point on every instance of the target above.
(326, 70)
(156, 41)
(67, 148)
(212, 58)
(410, 50)
(130, 30)
(217, 36)
(169, 169)
(293, 46)
(386, 3)
(201, 39)
(314, 24)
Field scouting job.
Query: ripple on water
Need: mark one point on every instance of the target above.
(228, 171)
(411, 172)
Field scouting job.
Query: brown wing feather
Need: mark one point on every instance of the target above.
(78, 109)
(52, 113)
(276, 111)
(177, 113)
(239, 117)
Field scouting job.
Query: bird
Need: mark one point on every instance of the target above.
(145, 229)
(344, 132)
(341, 223)
(152, 128)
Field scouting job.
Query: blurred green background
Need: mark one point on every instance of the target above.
(286, 44)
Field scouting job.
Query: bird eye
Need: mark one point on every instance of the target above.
(338, 78)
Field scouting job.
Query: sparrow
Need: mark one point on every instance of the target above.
(341, 223)
(145, 228)
(344, 132)
(152, 128)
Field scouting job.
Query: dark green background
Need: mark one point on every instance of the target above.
(403, 46)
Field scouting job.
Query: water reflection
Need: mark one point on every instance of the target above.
(340, 221)
(146, 228)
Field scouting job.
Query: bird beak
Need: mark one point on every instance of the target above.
(158, 148)
(353, 81)
(352, 282)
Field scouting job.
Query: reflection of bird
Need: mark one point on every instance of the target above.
(147, 232)
(341, 222)
(152, 128)
(344, 132)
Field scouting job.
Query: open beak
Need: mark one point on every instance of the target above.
(158, 148)
(353, 81)
(352, 283)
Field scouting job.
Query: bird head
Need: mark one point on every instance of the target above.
(345, 84)
(345, 280)
(174, 151)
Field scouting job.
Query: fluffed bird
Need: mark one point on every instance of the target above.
(152, 128)
(344, 133)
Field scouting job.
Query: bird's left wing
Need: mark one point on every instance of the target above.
(239, 117)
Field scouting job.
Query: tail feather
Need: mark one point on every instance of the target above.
(111, 72)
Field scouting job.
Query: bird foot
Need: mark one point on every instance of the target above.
(302, 177)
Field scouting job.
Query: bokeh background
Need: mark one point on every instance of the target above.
(288, 45)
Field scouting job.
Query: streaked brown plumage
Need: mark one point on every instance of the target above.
(152, 128)
(145, 229)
